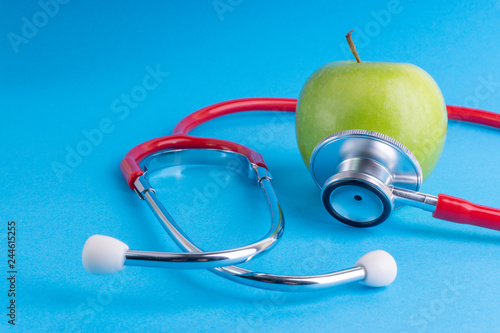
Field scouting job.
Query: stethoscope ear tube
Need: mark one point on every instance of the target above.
(105, 255)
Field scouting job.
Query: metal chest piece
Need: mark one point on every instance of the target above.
(357, 171)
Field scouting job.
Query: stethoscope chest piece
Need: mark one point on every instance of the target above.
(357, 171)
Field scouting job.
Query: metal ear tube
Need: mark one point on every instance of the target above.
(103, 255)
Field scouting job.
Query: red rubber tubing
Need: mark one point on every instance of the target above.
(462, 211)
(469, 115)
(130, 164)
(236, 105)
(459, 210)
(180, 140)
(459, 113)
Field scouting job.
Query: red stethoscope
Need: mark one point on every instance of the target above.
(363, 177)
(444, 207)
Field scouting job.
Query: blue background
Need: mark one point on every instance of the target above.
(70, 74)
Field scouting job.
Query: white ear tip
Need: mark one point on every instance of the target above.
(103, 254)
(380, 268)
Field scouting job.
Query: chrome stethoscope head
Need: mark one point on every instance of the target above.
(364, 176)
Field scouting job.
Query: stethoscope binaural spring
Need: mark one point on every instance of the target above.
(363, 177)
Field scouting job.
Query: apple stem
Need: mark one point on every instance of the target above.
(352, 46)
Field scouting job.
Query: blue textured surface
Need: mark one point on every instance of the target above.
(69, 76)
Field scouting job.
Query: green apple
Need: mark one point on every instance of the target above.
(395, 99)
